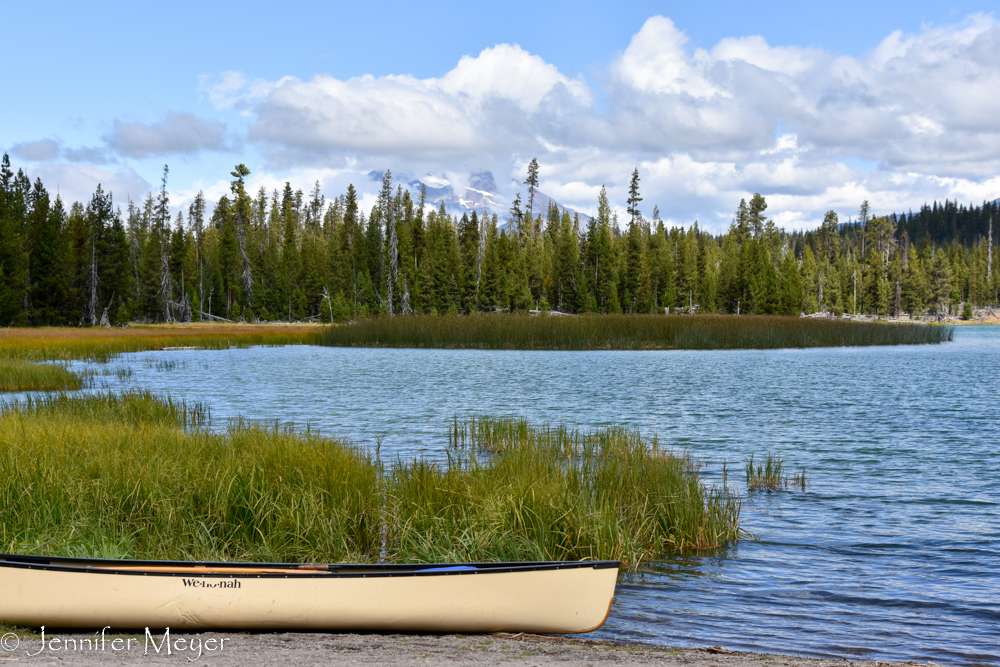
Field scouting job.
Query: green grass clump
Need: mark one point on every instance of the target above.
(133, 476)
(18, 375)
(561, 493)
(120, 476)
(623, 332)
(768, 474)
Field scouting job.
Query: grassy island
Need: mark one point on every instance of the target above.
(624, 332)
(134, 476)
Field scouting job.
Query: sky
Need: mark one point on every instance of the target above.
(817, 106)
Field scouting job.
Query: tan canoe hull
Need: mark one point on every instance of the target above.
(546, 600)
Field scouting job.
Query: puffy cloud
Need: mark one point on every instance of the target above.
(656, 62)
(508, 72)
(389, 115)
(177, 133)
(482, 107)
(36, 151)
(918, 103)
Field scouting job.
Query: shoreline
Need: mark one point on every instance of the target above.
(247, 650)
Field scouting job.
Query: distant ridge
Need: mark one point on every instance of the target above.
(947, 222)
(481, 194)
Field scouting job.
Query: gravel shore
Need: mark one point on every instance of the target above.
(302, 649)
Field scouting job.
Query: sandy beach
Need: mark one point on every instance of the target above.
(302, 649)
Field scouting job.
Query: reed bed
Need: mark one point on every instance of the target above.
(19, 375)
(768, 474)
(100, 344)
(134, 476)
(568, 494)
(623, 332)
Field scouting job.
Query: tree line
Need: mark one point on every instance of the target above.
(287, 255)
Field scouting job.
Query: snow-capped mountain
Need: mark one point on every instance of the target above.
(481, 194)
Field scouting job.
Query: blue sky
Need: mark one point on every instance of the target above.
(712, 100)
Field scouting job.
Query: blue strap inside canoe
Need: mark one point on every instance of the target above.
(450, 568)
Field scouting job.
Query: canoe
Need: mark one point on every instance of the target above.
(538, 597)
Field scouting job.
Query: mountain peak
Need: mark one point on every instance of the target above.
(483, 181)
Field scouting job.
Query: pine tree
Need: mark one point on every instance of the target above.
(940, 283)
(532, 182)
(196, 218)
(634, 198)
(810, 297)
(566, 261)
(242, 216)
(491, 284)
(634, 263)
(108, 267)
(755, 216)
(468, 244)
(791, 294)
(290, 259)
(390, 261)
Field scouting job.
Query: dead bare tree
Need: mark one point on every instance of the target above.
(247, 273)
(393, 259)
(166, 284)
(481, 253)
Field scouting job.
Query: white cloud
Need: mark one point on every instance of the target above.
(508, 72)
(177, 133)
(482, 108)
(655, 62)
(36, 151)
(389, 115)
(755, 50)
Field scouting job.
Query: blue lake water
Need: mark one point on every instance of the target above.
(892, 552)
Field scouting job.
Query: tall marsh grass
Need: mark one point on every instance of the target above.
(133, 476)
(120, 476)
(568, 493)
(19, 375)
(768, 474)
(98, 344)
(623, 332)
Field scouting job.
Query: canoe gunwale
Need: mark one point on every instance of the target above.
(289, 570)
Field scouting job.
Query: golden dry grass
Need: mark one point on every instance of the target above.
(96, 343)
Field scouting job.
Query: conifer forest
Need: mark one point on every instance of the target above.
(288, 255)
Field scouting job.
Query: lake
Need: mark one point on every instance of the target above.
(892, 552)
